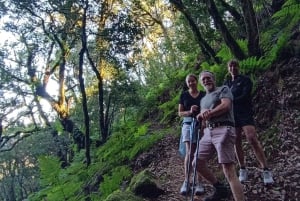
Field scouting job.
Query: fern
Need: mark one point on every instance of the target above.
(113, 181)
(50, 167)
(251, 64)
(289, 8)
(60, 184)
(288, 16)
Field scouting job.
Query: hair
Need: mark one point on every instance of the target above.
(234, 62)
(191, 75)
(209, 72)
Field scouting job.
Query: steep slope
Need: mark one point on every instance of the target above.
(278, 118)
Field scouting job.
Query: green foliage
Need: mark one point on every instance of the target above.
(163, 67)
(162, 97)
(251, 64)
(128, 140)
(224, 53)
(50, 167)
(122, 196)
(219, 71)
(275, 38)
(124, 145)
(113, 180)
(59, 183)
(169, 108)
(290, 10)
(274, 51)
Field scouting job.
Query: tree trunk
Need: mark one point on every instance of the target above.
(82, 87)
(236, 16)
(204, 46)
(251, 28)
(220, 25)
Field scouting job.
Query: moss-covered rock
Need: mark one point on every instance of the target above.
(123, 196)
(145, 184)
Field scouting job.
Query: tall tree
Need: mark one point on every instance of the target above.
(82, 52)
(219, 23)
(252, 28)
(207, 50)
(60, 36)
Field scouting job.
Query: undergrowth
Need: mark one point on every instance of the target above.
(112, 162)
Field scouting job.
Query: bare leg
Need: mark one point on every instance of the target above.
(235, 184)
(205, 172)
(250, 133)
(239, 148)
(188, 158)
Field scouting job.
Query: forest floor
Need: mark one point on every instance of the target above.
(277, 109)
(168, 167)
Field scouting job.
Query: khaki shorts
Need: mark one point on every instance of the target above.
(221, 140)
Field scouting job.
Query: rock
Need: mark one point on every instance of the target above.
(145, 184)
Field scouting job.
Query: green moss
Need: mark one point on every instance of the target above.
(144, 184)
(123, 196)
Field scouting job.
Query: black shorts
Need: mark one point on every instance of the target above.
(243, 120)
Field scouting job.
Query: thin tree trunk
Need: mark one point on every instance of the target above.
(220, 25)
(251, 28)
(82, 87)
(207, 50)
(238, 18)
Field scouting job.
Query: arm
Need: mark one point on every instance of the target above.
(188, 113)
(223, 107)
(183, 113)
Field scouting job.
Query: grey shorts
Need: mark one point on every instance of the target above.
(185, 132)
(221, 140)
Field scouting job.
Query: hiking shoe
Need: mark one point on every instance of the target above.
(267, 176)
(220, 193)
(199, 189)
(184, 188)
(243, 176)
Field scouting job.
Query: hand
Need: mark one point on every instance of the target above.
(194, 109)
(199, 118)
(205, 114)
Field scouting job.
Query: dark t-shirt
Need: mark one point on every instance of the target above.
(187, 100)
(241, 89)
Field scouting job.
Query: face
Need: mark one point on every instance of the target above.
(191, 82)
(233, 68)
(207, 81)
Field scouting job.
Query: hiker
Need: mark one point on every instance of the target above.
(188, 108)
(219, 136)
(241, 87)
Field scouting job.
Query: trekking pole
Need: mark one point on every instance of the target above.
(195, 166)
(192, 129)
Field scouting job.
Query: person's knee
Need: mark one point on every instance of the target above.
(251, 137)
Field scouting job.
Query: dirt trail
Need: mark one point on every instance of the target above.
(168, 167)
(166, 164)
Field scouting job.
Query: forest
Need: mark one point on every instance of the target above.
(86, 86)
